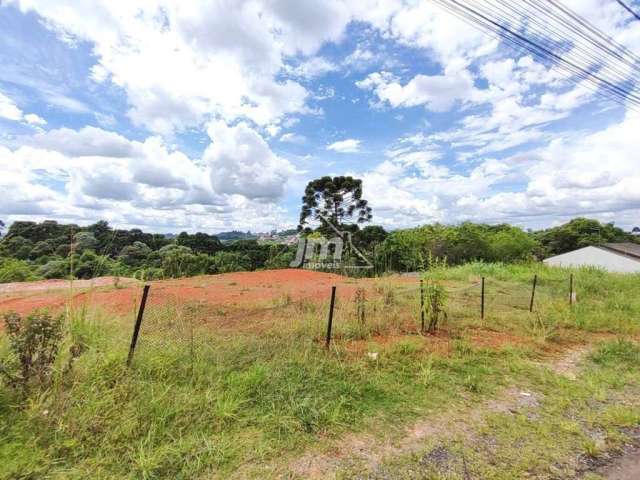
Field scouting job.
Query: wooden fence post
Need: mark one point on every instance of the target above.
(136, 328)
(330, 322)
(533, 292)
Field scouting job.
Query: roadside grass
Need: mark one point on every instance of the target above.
(571, 427)
(205, 402)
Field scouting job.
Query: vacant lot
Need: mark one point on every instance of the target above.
(231, 379)
(120, 295)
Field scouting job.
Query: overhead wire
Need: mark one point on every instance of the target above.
(592, 60)
(490, 20)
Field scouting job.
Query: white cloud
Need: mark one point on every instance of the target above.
(181, 65)
(293, 138)
(594, 175)
(242, 163)
(313, 68)
(350, 145)
(33, 119)
(88, 141)
(435, 92)
(8, 109)
(360, 58)
(84, 175)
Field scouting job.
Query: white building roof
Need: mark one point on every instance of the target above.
(612, 257)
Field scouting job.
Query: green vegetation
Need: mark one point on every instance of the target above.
(248, 400)
(32, 250)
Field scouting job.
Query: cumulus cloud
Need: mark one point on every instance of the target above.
(92, 173)
(594, 175)
(182, 64)
(435, 92)
(88, 141)
(350, 145)
(241, 162)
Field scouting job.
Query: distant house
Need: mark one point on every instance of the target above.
(612, 257)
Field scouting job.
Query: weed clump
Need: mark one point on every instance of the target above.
(34, 344)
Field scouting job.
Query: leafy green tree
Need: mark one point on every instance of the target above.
(225, 262)
(135, 255)
(257, 253)
(334, 199)
(42, 248)
(16, 246)
(369, 236)
(512, 244)
(200, 242)
(179, 261)
(578, 233)
(84, 241)
(89, 264)
(280, 256)
(56, 268)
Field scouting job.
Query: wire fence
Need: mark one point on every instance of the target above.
(168, 323)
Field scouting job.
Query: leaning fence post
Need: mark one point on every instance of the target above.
(330, 322)
(482, 300)
(421, 306)
(533, 292)
(571, 289)
(136, 328)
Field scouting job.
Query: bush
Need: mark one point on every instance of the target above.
(34, 343)
(12, 270)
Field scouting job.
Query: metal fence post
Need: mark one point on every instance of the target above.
(330, 322)
(482, 300)
(533, 292)
(136, 328)
(421, 306)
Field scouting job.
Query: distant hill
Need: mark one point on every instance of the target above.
(235, 235)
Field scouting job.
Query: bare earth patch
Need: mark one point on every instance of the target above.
(626, 467)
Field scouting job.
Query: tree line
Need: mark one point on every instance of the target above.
(45, 250)
(330, 206)
(48, 249)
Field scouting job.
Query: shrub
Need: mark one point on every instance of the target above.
(12, 270)
(434, 304)
(34, 343)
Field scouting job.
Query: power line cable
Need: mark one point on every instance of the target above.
(616, 75)
(628, 9)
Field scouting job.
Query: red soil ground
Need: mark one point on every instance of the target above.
(232, 290)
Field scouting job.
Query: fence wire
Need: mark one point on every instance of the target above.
(173, 324)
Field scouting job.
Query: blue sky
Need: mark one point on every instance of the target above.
(212, 116)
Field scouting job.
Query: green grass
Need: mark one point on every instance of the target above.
(573, 423)
(248, 403)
